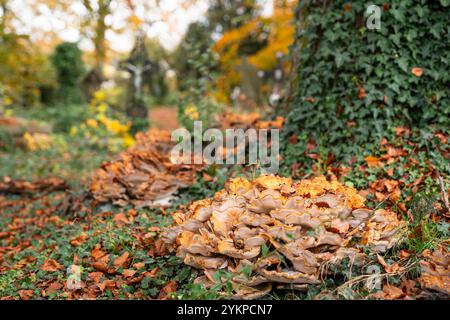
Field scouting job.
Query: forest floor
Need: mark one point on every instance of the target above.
(164, 117)
(47, 235)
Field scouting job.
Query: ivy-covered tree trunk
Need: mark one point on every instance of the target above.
(354, 80)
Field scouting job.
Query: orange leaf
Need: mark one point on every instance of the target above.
(120, 219)
(417, 72)
(390, 185)
(26, 294)
(55, 286)
(122, 260)
(382, 261)
(106, 284)
(404, 254)
(50, 265)
(97, 253)
(96, 276)
(168, 288)
(101, 266)
(347, 7)
(79, 240)
(139, 265)
(372, 162)
(128, 273)
(380, 196)
(392, 292)
(395, 152)
(361, 93)
(158, 249)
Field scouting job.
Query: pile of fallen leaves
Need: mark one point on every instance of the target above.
(116, 254)
(232, 120)
(144, 175)
(435, 272)
(271, 230)
(20, 186)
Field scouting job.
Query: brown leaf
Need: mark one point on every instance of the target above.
(122, 260)
(417, 71)
(55, 286)
(158, 249)
(139, 265)
(97, 253)
(50, 265)
(293, 139)
(79, 240)
(372, 162)
(168, 288)
(4, 235)
(347, 7)
(314, 156)
(120, 219)
(206, 177)
(404, 254)
(400, 131)
(391, 292)
(361, 93)
(96, 276)
(26, 294)
(390, 185)
(128, 273)
(102, 265)
(380, 196)
(382, 261)
(106, 284)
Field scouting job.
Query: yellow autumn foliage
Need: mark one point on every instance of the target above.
(280, 35)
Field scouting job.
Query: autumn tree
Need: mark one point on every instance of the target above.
(260, 44)
(96, 26)
(364, 70)
(24, 68)
(221, 16)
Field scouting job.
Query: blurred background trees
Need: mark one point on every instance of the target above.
(229, 55)
(69, 68)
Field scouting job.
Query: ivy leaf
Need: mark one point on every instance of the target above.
(403, 64)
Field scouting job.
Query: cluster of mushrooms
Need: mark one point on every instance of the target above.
(144, 175)
(271, 231)
(435, 272)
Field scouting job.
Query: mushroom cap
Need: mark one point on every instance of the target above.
(282, 231)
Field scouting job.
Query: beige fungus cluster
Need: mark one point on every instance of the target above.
(284, 232)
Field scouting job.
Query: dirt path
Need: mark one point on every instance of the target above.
(163, 117)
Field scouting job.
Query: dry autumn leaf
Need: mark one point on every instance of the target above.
(168, 288)
(372, 162)
(128, 273)
(79, 240)
(391, 292)
(417, 71)
(361, 93)
(26, 294)
(51, 265)
(121, 261)
(97, 253)
(96, 276)
(121, 219)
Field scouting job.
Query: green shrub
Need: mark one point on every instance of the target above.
(69, 68)
(353, 83)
